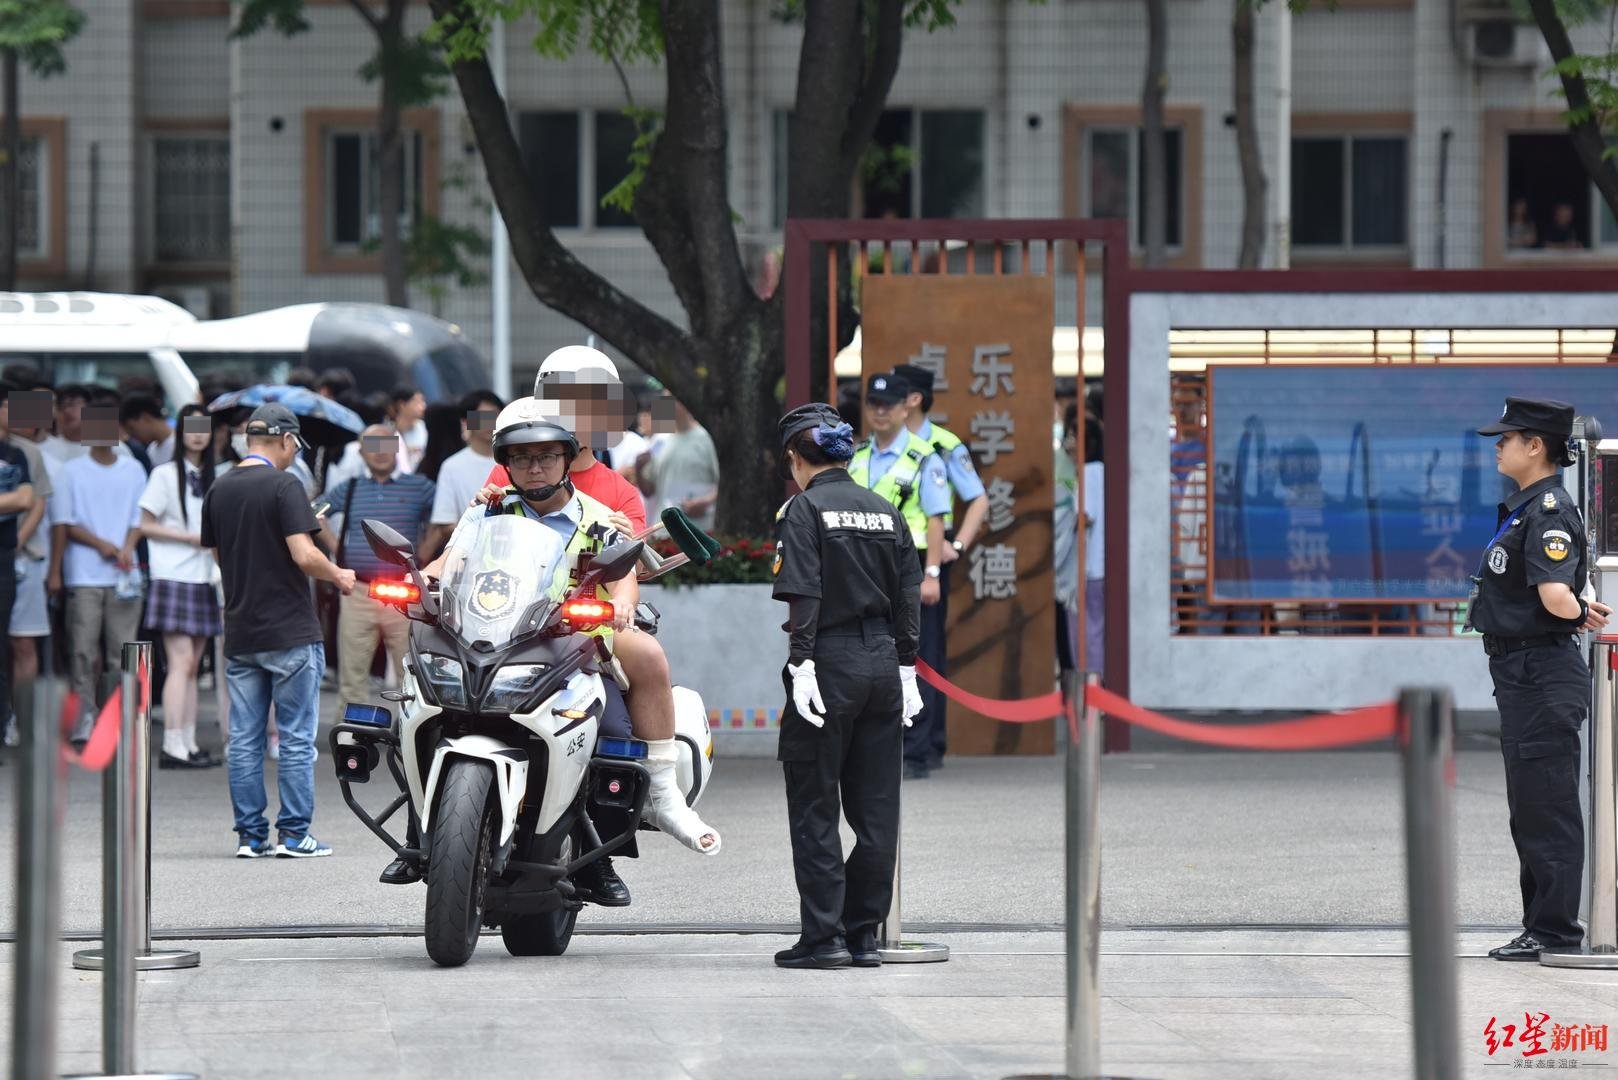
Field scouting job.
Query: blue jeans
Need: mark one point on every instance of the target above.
(291, 678)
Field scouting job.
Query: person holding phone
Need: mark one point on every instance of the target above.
(182, 605)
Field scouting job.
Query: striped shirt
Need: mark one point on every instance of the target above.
(404, 501)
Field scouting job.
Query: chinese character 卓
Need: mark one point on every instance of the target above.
(931, 357)
(992, 434)
(1001, 513)
(994, 572)
(991, 373)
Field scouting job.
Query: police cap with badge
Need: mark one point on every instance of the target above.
(1539, 416)
(886, 389)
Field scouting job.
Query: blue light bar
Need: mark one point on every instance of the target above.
(620, 748)
(369, 715)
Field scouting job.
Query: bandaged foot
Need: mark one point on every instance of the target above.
(665, 805)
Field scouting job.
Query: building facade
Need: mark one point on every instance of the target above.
(234, 176)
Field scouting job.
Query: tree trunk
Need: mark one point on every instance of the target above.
(1153, 165)
(1254, 185)
(390, 159)
(10, 185)
(1587, 137)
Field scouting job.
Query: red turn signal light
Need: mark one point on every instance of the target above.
(395, 592)
(587, 614)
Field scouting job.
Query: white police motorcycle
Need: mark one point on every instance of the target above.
(499, 752)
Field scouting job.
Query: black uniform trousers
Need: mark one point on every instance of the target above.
(925, 738)
(857, 755)
(1543, 695)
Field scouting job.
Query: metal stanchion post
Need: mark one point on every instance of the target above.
(1427, 737)
(40, 789)
(125, 849)
(1601, 938)
(894, 949)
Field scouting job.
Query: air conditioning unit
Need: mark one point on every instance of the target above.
(1502, 42)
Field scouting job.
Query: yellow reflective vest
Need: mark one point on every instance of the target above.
(898, 485)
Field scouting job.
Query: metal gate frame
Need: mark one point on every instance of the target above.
(1112, 235)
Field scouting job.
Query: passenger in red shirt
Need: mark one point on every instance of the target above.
(597, 481)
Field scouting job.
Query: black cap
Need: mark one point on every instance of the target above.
(1533, 414)
(814, 414)
(274, 419)
(916, 377)
(886, 389)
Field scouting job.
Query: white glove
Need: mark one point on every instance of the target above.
(912, 706)
(806, 693)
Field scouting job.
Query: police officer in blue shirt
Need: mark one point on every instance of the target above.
(925, 750)
(898, 465)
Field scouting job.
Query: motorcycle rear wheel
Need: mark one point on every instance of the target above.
(544, 934)
(463, 843)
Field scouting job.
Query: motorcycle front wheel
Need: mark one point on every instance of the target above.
(463, 842)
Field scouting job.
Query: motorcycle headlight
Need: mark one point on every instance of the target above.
(446, 680)
(513, 687)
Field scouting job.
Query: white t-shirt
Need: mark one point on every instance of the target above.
(160, 453)
(63, 450)
(170, 559)
(1095, 508)
(460, 477)
(628, 451)
(105, 500)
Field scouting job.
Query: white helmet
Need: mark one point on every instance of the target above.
(572, 360)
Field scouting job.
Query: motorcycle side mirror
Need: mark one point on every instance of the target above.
(614, 562)
(387, 544)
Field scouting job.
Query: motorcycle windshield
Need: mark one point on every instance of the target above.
(501, 576)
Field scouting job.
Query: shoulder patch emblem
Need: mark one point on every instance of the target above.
(781, 513)
(1497, 559)
(775, 567)
(1556, 544)
(1549, 501)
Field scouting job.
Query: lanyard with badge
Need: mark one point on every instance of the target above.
(1477, 578)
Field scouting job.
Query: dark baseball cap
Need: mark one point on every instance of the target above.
(917, 378)
(814, 414)
(886, 389)
(273, 419)
(1533, 414)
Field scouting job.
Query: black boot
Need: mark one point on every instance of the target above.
(600, 884)
(401, 872)
(828, 954)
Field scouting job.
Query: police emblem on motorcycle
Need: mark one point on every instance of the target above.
(1497, 559)
(493, 592)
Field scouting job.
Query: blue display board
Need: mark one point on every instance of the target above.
(1366, 482)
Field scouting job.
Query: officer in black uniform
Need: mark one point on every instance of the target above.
(1526, 601)
(847, 567)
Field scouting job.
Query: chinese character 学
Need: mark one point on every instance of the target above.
(994, 572)
(991, 371)
(992, 434)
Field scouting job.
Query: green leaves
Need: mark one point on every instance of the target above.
(283, 16)
(624, 31)
(648, 125)
(37, 30)
(415, 68)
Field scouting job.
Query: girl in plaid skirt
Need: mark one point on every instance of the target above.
(183, 605)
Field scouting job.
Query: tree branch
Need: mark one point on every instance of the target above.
(1586, 132)
(872, 95)
(365, 13)
(554, 275)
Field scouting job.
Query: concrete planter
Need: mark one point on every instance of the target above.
(726, 643)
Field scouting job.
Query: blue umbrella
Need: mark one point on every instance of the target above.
(323, 421)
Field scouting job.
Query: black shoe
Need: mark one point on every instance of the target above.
(401, 872)
(600, 884)
(1526, 947)
(916, 770)
(862, 947)
(829, 954)
(204, 760)
(167, 760)
(935, 763)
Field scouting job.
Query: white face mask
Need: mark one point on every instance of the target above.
(238, 443)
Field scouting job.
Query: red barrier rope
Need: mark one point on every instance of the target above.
(102, 746)
(1371, 723)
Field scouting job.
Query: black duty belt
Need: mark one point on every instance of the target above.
(858, 628)
(1499, 645)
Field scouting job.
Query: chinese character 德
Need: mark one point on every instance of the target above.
(991, 373)
(1001, 513)
(994, 572)
(991, 435)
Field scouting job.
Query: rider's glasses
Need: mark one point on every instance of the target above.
(524, 462)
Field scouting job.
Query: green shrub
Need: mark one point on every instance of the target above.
(746, 560)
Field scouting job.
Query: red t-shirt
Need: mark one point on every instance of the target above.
(601, 484)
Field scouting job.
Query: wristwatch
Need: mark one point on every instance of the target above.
(958, 546)
(933, 571)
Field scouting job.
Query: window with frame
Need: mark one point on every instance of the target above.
(1550, 202)
(1350, 192)
(1115, 179)
(33, 187)
(191, 198)
(354, 187)
(921, 163)
(570, 153)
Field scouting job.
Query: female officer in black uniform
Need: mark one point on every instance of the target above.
(846, 565)
(1527, 604)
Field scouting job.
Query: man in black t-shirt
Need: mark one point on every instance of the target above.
(16, 498)
(260, 527)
